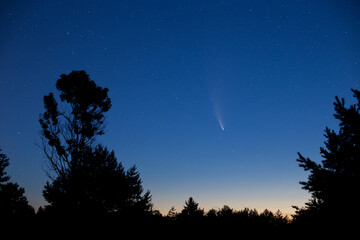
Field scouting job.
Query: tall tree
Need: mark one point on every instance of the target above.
(86, 177)
(66, 133)
(191, 209)
(334, 183)
(12, 199)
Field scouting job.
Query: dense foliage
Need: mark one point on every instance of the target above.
(86, 177)
(334, 183)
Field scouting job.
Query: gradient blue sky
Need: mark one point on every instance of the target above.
(268, 70)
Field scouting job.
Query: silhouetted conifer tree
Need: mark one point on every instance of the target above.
(4, 163)
(334, 183)
(191, 209)
(98, 184)
(12, 200)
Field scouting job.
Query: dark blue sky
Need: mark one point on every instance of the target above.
(266, 71)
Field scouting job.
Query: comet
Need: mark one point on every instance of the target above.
(218, 116)
(221, 125)
(216, 102)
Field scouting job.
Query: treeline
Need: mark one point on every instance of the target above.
(15, 207)
(87, 184)
(191, 212)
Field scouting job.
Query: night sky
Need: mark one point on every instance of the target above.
(211, 99)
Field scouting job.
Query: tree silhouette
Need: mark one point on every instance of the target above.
(86, 178)
(12, 200)
(66, 133)
(4, 162)
(225, 212)
(334, 183)
(212, 213)
(171, 213)
(98, 184)
(191, 209)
